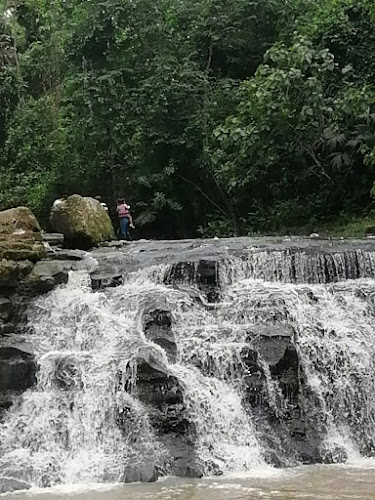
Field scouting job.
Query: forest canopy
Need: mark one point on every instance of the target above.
(212, 117)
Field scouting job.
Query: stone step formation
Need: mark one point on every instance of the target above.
(190, 358)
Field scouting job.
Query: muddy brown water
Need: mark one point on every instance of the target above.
(329, 482)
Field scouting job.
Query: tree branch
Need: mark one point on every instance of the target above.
(204, 194)
(311, 153)
(209, 57)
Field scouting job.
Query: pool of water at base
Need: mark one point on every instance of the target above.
(323, 482)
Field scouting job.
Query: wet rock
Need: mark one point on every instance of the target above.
(6, 309)
(6, 401)
(254, 378)
(83, 222)
(53, 239)
(144, 473)
(164, 397)
(275, 392)
(67, 375)
(17, 369)
(8, 485)
(287, 372)
(69, 255)
(184, 461)
(110, 270)
(100, 282)
(7, 328)
(182, 272)
(155, 386)
(158, 328)
(270, 341)
(46, 274)
(203, 273)
(208, 279)
(115, 244)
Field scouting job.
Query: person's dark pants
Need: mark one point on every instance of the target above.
(124, 228)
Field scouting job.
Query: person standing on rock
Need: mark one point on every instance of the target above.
(126, 219)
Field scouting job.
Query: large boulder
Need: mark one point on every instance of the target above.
(83, 221)
(20, 244)
(20, 236)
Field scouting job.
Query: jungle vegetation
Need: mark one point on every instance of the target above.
(211, 117)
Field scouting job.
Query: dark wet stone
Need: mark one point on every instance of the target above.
(17, 369)
(98, 282)
(7, 328)
(144, 473)
(286, 432)
(156, 387)
(158, 329)
(208, 279)
(110, 270)
(287, 372)
(203, 273)
(270, 341)
(163, 396)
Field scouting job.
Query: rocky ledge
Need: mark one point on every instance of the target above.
(206, 264)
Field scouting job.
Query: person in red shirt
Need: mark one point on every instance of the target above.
(126, 219)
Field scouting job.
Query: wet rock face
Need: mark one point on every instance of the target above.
(17, 370)
(109, 272)
(272, 354)
(17, 373)
(163, 396)
(156, 387)
(158, 329)
(203, 273)
(83, 222)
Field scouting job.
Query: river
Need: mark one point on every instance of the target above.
(328, 482)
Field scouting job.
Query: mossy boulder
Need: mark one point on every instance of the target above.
(83, 222)
(19, 223)
(20, 243)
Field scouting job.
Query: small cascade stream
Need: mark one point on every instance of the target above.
(200, 367)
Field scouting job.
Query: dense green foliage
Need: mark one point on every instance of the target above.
(213, 117)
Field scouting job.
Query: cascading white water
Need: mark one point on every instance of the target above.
(82, 422)
(65, 429)
(334, 334)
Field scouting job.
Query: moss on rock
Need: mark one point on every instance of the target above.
(20, 243)
(83, 222)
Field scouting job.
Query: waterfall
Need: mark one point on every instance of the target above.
(198, 368)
